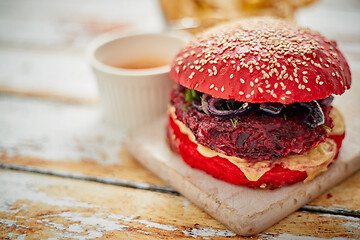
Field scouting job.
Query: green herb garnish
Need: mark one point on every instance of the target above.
(284, 116)
(191, 95)
(234, 122)
(327, 127)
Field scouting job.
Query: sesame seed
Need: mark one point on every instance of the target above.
(251, 84)
(242, 80)
(260, 90)
(288, 92)
(191, 75)
(321, 83)
(283, 87)
(222, 89)
(231, 76)
(241, 93)
(212, 86)
(248, 95)
(216, 89)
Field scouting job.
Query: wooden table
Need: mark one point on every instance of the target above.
(65, 174)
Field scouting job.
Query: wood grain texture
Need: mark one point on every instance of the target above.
(341, 199)
(65, 137)
(38, 207)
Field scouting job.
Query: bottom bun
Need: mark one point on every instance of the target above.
(263, 174)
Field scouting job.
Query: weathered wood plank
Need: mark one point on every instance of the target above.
(63, 76)
(65, 137)
(35, 206)
(342, 199)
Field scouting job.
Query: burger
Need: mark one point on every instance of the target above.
(253, 103)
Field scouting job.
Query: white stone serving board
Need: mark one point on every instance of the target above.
(243, 210)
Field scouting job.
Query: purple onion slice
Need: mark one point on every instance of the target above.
(227, 108)
(315, 116)
(197, 105)
(271, 108)
(326, 101)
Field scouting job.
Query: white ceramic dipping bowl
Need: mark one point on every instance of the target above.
(133, 97)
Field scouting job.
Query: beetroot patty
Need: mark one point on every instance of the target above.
(253, 136)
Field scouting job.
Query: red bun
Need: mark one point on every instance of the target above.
(262, 60)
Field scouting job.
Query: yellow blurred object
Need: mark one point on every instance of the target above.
(196, 15)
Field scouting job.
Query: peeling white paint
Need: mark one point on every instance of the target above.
(57, 132)
(7, 223)
(21, 237)
(286, 236)
(208, 232)
(186, 204)
(27, 188)
(145, 222)
(349, 218)
(16, 236)
(352, 226)
(101, 223)
(75, 228)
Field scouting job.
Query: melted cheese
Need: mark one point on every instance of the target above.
(338, 120)
(312, 162)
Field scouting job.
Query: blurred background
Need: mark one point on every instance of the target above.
(42, 43)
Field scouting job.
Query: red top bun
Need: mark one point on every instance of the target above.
(262, 60)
